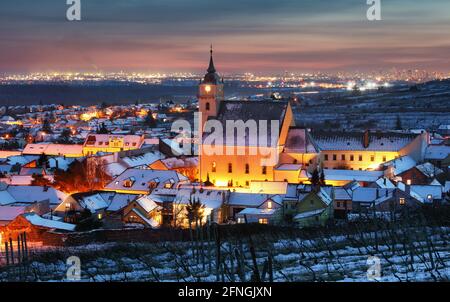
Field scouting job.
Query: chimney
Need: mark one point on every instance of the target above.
(366, 139)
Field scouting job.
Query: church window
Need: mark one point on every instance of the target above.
(247, 169)
(230, 168)
(264, 170)
(207, 106)
(214, 167)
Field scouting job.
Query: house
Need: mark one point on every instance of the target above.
(212, 200)
(110, 143)
(421, 174)
(34, 226)
(367, 150)
(239, 201)
(95, 203)
(438, 155)
(313, 209)
(143, 211)
(263, 213)
(138, 181)
(342, 202)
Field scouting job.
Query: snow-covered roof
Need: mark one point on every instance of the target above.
(429, 170)
(353, 141)
(385, 183)
(423, 191)
(173, 162)
(447, 187)
(6, 198)
(8, 213)
(53, 149)
(308, 214)
(401, 164)
(93, 202)
(30, 194)
(150, 222)
(115, 169)
(365, 194)
(60, 162)
(142, 160)
(437, 152)
(118, 201)
(37, 220)
(341, 194)
(253, 200)
(288, 167)
(256, 211)
(147, 203)
(343, 175)
(140, 179)
(212, 199)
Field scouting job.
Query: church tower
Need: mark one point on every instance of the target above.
(210, 93)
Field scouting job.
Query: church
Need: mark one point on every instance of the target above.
(243, 158)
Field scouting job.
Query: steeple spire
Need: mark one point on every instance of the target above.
(211, 68)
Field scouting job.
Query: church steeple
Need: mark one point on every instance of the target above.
(211, 68)
(211, 77)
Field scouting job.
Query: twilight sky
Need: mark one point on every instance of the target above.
(248, 35)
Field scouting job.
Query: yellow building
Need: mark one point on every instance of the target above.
(111, 143)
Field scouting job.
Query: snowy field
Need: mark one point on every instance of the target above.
(405, 254)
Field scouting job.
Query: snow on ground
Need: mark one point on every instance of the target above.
(404, 255)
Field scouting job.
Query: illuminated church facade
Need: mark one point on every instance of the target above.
(240, 161)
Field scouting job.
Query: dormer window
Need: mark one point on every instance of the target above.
(128, 183)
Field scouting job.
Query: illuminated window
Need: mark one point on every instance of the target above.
(230, 168)
(214, 167)
(269, 205)
(240, 220)
(100, 216)
(247, 169)
(207, 88)
(402, 201)
(408, 182)
(264, 170)
(207, 106)
(263, 221)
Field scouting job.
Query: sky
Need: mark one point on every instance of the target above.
(261, 36)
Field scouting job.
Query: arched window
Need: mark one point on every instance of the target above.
(214, 167)
(207, 106)
(247, 169)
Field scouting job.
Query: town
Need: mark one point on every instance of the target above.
(71, 169)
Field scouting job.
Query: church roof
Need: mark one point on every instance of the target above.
(252, 110)
(211, 77)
